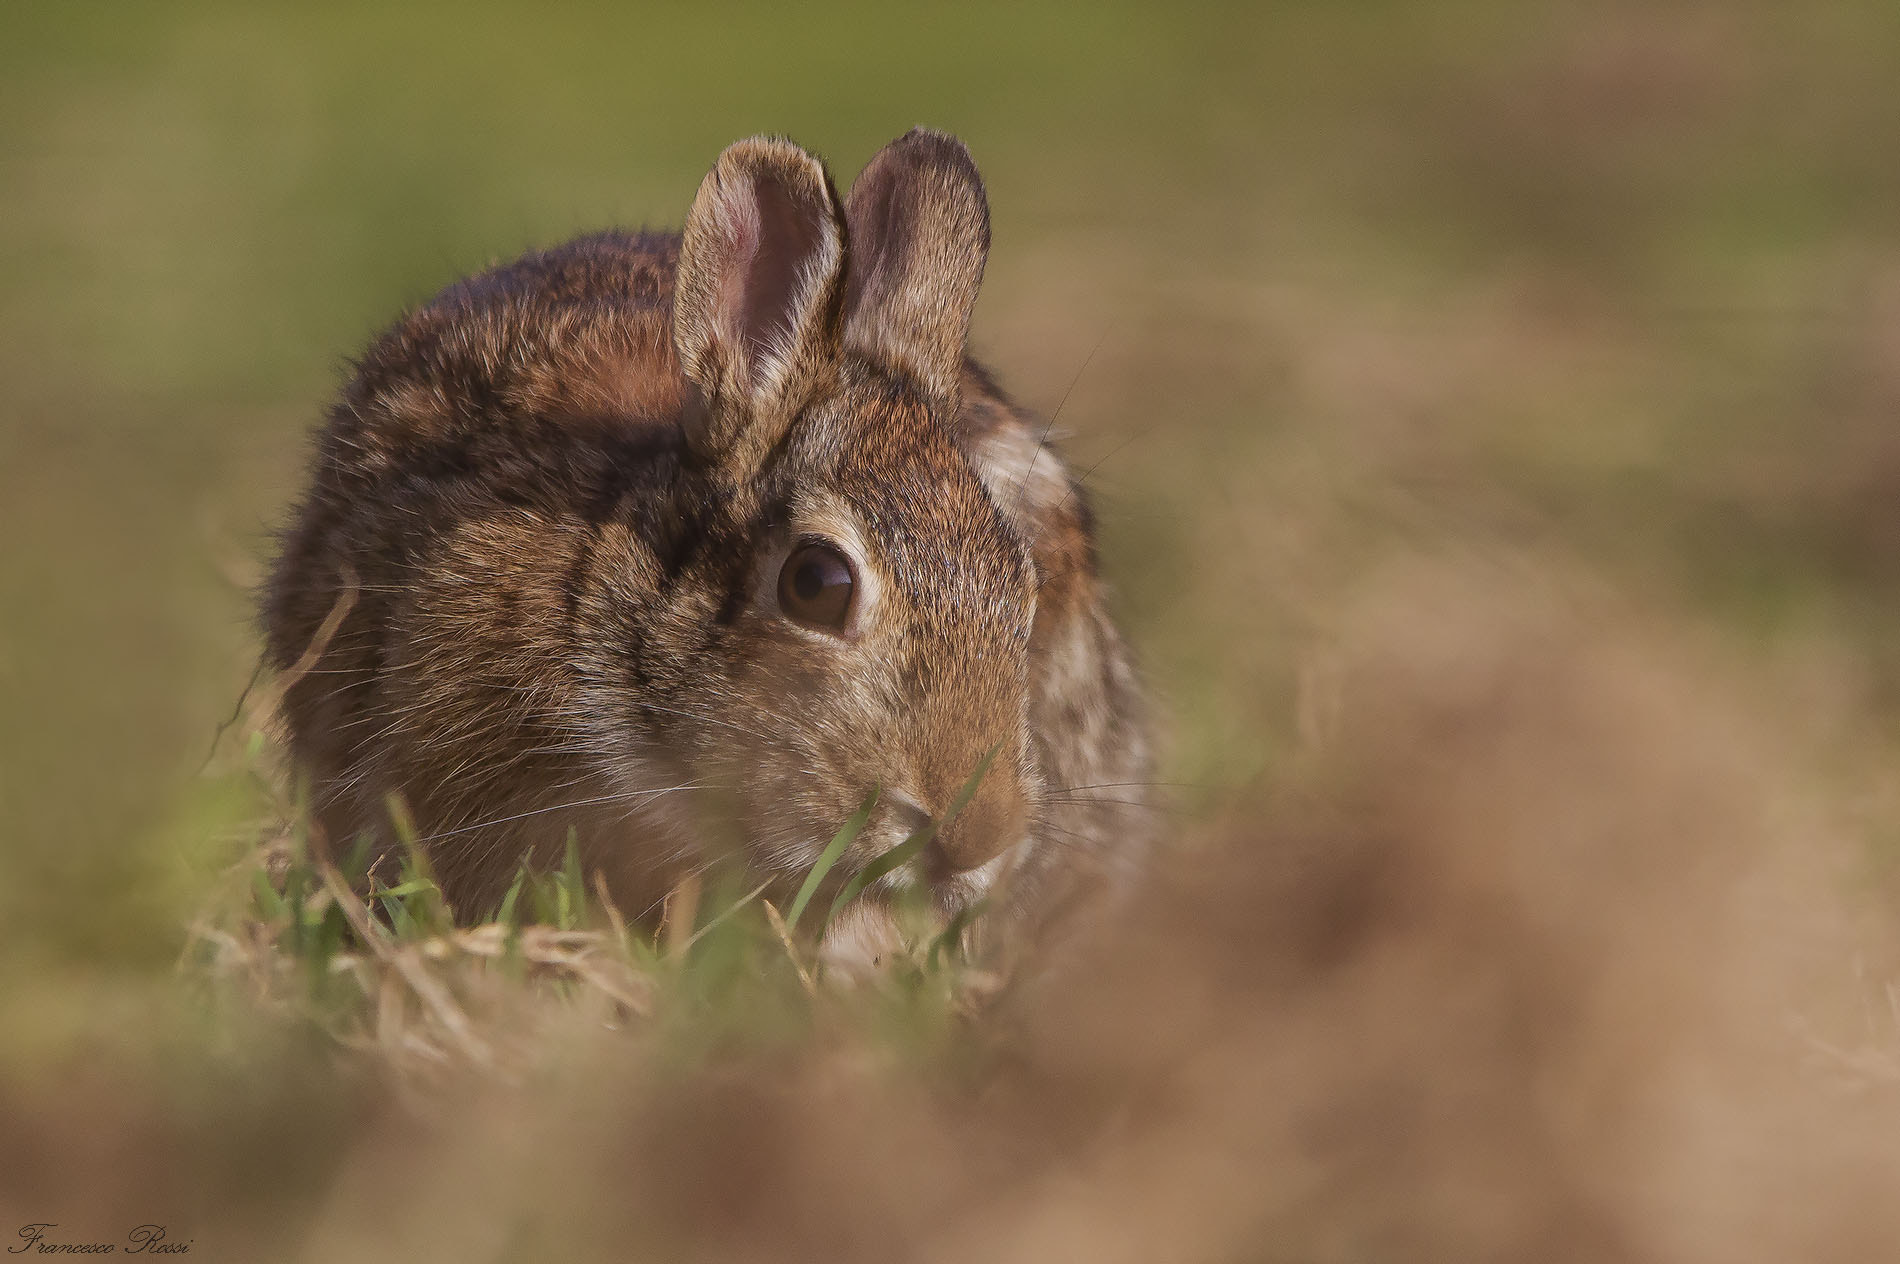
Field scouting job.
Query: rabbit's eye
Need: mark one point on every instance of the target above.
(815, 586)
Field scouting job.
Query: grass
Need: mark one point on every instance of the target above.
(388, 970)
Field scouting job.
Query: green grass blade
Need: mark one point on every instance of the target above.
(902, 853)
(506, 915)
(829, 857)
(890, 860)
(401, 922)
(400, 820)
(357, 865)
(541, 896)
(571, 887)
(951, 940)
(409, 887)
(269, 902)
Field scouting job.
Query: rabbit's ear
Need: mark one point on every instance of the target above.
(920, 232)
(756, 305)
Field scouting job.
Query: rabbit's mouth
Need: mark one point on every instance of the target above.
(871, 931)
(947, 891)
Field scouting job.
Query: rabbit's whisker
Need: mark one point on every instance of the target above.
(1100, 801)
(1125, 785)
(622, 797)
(1042, 440)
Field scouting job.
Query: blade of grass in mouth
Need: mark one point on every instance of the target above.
(902, 853)
(829, 857)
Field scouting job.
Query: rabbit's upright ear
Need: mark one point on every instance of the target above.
(920, 232)
(756, 305)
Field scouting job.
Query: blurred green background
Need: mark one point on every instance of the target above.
(1312, 278)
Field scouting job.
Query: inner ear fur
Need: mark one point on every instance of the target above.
(920, 233)
(757, 302)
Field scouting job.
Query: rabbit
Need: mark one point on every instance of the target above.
(677, 545)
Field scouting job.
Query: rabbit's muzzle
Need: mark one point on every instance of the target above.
(995, 819)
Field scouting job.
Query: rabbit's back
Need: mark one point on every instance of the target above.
(488, 447)
(576, 336)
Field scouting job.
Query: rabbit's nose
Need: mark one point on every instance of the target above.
(990, 823)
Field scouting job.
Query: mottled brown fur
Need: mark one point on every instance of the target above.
(560, 492)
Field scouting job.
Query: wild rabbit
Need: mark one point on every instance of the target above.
(681, 543)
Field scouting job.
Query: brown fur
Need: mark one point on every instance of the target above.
(561, 492)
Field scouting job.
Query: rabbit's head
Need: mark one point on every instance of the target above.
(859, 610)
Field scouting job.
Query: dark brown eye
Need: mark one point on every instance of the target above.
(815, 586)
